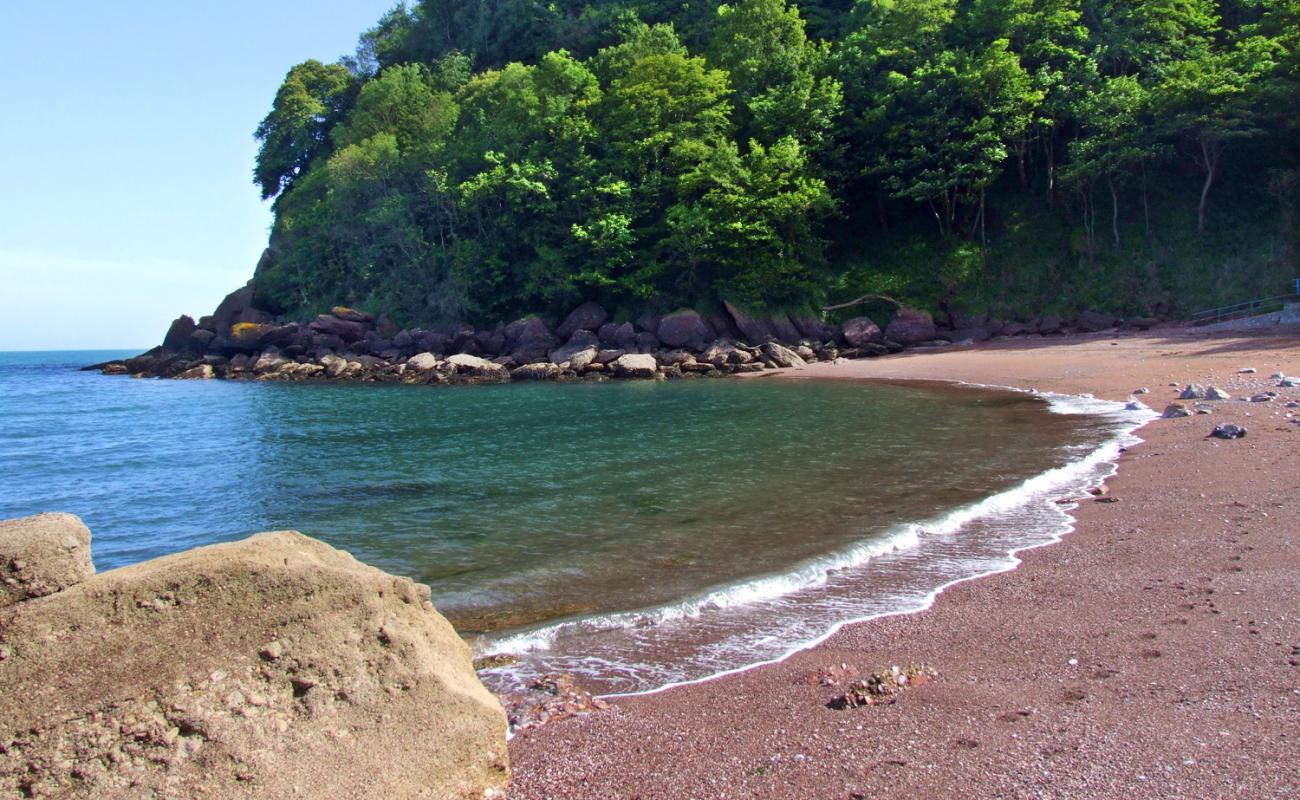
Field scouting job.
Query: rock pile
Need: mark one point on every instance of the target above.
(240, 342)
(272, 667)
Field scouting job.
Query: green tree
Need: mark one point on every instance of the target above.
(309, 103)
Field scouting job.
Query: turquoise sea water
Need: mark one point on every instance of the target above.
(637, 533)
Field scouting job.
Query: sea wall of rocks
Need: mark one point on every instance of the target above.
(276, 666)
(241, 342)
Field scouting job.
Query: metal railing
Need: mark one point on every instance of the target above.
(1249, 308)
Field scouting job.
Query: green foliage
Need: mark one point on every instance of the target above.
(477, 161)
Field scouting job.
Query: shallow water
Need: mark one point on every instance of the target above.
(635, 533)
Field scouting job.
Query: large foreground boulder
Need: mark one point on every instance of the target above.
(272, 667)
(42, 555)
(685, 329)
(860, 331)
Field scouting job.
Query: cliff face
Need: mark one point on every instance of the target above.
(272, 667)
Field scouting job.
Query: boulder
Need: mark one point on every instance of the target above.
(202, 372)
(586, 317)
(910, 326)
(42, 555)
(420, 362)
(269, 361)
(636, 365)
(724, 352)
(685, 329)
(232, 309)
(540, 371)
(784, 329)
(1050, 324)
(529, 340)
(352, 315)
(579, 351)
(349, 330)
(648, 323)
(753, 330)
(1175, 411)
(201, 340)
(606, 356)
(474, 367)
(1194, 391)
(1093, 321)
(1215, 393)
(1228, 431)
(780, 355)
(179, 335)
(675, 358)
(246, 337)
(861, 330)
(814, 328)
(272, 667)
(646, 342)
(972, 335)
(617, 336)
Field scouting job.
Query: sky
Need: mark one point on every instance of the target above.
(126, 157)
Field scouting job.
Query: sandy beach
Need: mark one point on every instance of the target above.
(1155, 652)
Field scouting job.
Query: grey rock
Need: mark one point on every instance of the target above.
(1194, 391)
(421, 362)
(1228, 431)
(1215, 393)
(1175, 411)
(780, 355)
(607, 356)
(636, 365)
(42, 555)
(579, 351)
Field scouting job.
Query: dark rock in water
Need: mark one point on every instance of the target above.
(753, 330)
(178, 338)
(1228, 431)
(646, 342)
(1050, 324)
(685, 329)
(1093, 321)
(607, 356)
(201, 340)
(910, 326)
(586, 317)
(861, 330)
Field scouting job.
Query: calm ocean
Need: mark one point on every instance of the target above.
(637, 534)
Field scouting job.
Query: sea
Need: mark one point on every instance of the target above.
(636, 535)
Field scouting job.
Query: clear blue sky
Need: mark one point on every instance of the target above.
(126, 155)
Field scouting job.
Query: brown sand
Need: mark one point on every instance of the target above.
(1155, 652)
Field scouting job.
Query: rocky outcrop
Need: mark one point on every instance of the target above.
(272, 667)
(911, 326)
(753, 330)
(529, 340)
(42, 555)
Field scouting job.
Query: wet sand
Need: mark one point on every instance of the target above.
(1155, 652)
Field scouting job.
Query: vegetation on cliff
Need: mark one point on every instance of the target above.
(478, 161)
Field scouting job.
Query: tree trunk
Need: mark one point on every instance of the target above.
(1049, 147)
(984, 242)
(1114, 210)
(1146, 208)
(1210, 161)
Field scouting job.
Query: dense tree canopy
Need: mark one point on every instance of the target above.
(475, 161)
